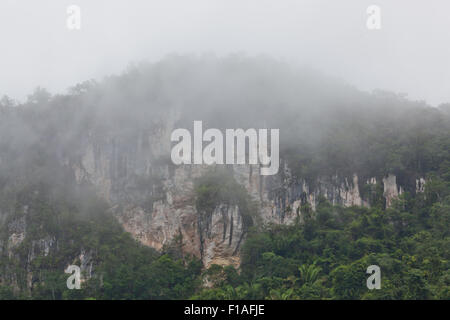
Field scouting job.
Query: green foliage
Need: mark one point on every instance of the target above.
(218, 187)
(122, 268)
(327, 257)
(326, 128)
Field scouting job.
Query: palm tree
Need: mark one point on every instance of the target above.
(280, 295)
(309, 274)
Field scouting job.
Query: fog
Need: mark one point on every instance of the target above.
(409, 54)
(359, 148)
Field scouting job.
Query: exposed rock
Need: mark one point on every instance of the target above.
(221, 235)
(41, 247)
(85, 261)
(16, 231)
(420, 185)
(155, 202)
(391, 190)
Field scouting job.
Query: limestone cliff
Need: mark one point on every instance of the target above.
(154, 200)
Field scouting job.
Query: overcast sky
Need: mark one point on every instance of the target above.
(410, 54)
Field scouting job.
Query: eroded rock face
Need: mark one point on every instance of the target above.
(283, 197)
(221, 235)
(18, 247)
(41, 247)
(155, 200)
(85, 261)
(391, 190)
(16, 231)
(420, 185)
(215, 237)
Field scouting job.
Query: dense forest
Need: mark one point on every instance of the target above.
(324, 257)
(326, 127)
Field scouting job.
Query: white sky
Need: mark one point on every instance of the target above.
(410, 54)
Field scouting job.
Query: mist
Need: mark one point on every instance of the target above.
(408, 55)
(92, 112)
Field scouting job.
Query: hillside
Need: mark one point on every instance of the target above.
(86, 178)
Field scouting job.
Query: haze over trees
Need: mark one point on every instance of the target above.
(326, 127)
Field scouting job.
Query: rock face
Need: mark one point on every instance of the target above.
(283, 197)
(23, 247)
(391, 190)
(155, 201)
(16, 231)
(86, 263)
(41, 247)
(221, 234)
